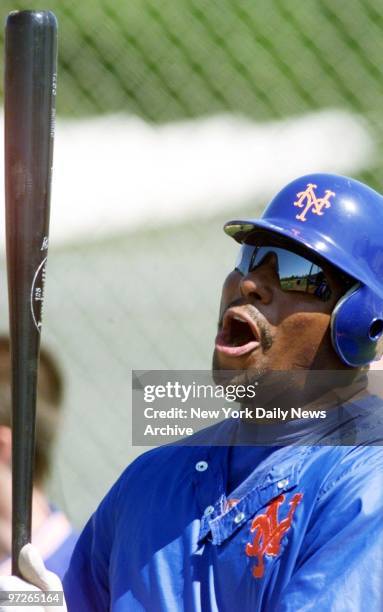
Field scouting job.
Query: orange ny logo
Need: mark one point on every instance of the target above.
(307, 199)
(268, 532)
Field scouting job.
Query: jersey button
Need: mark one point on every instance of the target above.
(239, 517)
(208, 510)
(201, 466)
(283, 483)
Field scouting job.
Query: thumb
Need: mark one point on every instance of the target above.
(34, 571)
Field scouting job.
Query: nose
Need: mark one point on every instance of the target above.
(259, 283)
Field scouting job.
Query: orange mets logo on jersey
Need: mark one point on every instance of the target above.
(308, 200)
(268, 533)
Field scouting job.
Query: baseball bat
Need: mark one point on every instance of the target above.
(29, 107)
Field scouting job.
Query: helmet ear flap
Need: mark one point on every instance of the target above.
(357, 326)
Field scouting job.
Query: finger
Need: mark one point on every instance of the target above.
(33, 569)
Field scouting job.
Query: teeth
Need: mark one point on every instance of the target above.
(237, 318)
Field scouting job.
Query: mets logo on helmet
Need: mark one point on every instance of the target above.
(308, 200)
(268, 532)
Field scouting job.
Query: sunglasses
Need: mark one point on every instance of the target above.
(296, 273)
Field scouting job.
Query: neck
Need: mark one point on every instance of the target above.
(293, 389)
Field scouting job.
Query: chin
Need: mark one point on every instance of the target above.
(228, 370)
(224, 362)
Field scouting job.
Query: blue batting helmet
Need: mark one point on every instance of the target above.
(341, 220)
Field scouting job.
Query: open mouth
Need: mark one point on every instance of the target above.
(239, 334)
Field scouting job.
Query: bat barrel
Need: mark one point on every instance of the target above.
(30, 89)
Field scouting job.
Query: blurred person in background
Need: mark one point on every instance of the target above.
(53, 534)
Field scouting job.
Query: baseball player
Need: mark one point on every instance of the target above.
(258, 524)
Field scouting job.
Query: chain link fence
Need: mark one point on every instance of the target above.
(147, 298)
(173, 59)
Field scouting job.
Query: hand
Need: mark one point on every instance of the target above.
(39, 579)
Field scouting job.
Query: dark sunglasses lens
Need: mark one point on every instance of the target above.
(295, 273)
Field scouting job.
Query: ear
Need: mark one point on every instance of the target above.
(5, 445)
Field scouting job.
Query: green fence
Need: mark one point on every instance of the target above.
(168, 59)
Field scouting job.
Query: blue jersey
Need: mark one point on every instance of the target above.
(301, 528)
(58, 560)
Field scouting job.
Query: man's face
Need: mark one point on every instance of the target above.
(263, 328)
